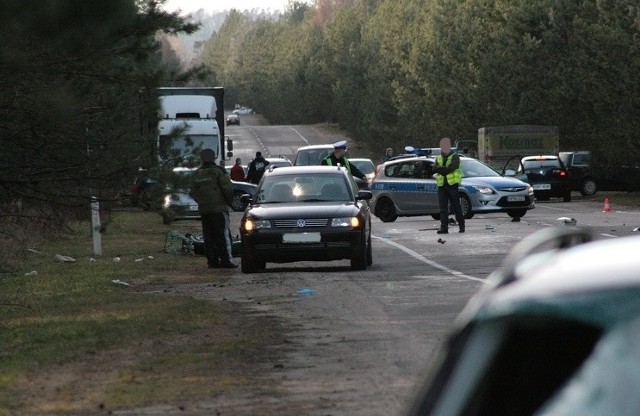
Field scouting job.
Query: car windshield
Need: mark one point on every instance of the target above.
(474, 169)
(278, 189)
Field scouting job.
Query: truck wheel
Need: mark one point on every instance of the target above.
(588, 187)
(386, 211)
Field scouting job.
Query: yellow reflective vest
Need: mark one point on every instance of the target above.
(454, 177)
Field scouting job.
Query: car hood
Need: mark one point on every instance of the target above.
(308, 210)
(499, 182)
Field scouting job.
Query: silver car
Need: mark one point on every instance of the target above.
(407, 187)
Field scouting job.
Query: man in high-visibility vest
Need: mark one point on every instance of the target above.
(448, 178)
(337, 157)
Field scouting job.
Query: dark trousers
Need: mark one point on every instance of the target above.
(215, 232)
(449, 194)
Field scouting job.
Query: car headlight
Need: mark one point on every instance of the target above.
(353, 222)
(252, 224)
(530, 190)
(485, 190)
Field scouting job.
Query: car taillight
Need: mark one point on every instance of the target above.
(560, 172)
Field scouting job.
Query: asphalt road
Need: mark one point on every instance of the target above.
(360, 342)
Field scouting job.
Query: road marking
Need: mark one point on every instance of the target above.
(608, 235)
(301, 136)
(427, 261)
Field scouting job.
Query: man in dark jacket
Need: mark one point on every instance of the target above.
(256, 168)
(211, 189)
(339, 149)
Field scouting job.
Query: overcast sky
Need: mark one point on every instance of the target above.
(188, 6)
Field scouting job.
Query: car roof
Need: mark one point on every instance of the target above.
(529, 281)
(305, 170)
(541, 157)
(316, 146)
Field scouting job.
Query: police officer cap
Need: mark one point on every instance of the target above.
(208, 155)
(342, 144)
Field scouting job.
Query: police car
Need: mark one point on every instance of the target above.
(407, 187)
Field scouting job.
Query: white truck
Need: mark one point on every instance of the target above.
(496, 145)
(191, 119)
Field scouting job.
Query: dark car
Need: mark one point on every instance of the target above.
(311, 213)
(233, 119)
(548, 176)
(588, 177)
(555, 331)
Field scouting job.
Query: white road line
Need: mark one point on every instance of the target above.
(301, 136)
(608, 235)
(429, 262)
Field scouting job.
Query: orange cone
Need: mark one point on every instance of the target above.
(607, 207)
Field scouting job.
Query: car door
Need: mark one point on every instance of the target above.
(426, 198)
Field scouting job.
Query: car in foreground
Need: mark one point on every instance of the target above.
(548, 176)
(312, 213)
(233, 119)
(555, 331)
(365, 166)
(312, 155)
(407, 187)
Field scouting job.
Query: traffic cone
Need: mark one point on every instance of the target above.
(607, 207)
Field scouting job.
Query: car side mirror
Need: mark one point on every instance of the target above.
(509, 172)
(364, 195)
(246, 199)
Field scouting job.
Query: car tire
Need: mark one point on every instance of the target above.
(567, 197)
(167, 219)
(435, 217)
(237, 205)
(369, 251)
(248, 262)
(588, 187)
(359, 260)
(386, 211)
(518, 213)
(465, 204)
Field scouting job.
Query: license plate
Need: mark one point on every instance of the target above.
(301, 238)
(515, 198)
(541, 186)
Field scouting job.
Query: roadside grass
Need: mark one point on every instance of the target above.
(141, 347)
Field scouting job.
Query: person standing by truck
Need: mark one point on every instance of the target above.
(237, 171)
(211, 189)
(257, 168)
(448, 178)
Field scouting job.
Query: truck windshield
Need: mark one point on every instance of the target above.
(185, 149)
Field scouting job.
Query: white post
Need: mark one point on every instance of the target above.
(95, 226)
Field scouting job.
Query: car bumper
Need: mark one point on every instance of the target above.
(502, 203)
(333, 245)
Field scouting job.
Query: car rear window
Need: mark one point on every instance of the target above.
(541, 163)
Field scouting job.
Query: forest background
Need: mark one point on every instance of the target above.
(77, 109)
